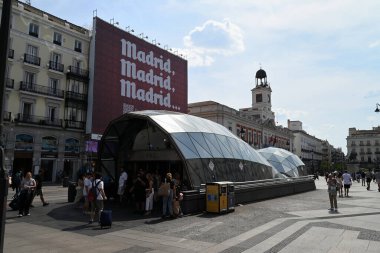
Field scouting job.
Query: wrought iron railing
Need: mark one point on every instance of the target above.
(39, 89)
(32, 59)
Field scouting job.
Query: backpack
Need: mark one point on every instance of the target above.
(93, 193)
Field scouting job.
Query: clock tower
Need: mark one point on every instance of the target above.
(261, 97)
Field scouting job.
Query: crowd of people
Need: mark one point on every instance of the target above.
(151, 191)
(338, 182)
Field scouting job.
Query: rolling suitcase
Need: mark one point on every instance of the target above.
(15, 203)
(105, 218)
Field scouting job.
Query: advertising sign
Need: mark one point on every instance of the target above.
(131, 74)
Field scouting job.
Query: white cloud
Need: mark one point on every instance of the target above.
(374, 44)
(211, 39)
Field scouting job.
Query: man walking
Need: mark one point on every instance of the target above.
(347, 181)
(38, 192)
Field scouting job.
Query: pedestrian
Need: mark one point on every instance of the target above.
(368, 177)
(167, 201)
(332, 187)
(16, 181)
(97, 205)
(339, 180)
(149, 191)
(28, 184)
(38, 192)
(362, 175)
(138, 188)
(87, 184)
(377, 176)
(347, 181)
(122, 184)
(79, 191)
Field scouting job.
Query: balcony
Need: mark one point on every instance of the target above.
(74, 124)
(11, 53)
(76, 96)
(31, 59)
(56, 66)
(10, 83)
(42, 90)
(369, 152)
(34, 34)
(77, 73)
(36, 120)
(78, 49)
(353, 144)
(57, 42)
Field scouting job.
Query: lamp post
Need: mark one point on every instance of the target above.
(4, 42)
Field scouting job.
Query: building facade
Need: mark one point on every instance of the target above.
(45, 100)
(363, 149)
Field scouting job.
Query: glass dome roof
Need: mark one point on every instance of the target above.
(282, 160)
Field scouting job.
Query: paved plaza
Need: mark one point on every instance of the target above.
(296, 223)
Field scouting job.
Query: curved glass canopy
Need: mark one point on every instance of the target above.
(284, 161)
(201, 150)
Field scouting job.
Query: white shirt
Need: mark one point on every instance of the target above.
(99, 186)
(123, 178)
(87, 182)
(346, 178)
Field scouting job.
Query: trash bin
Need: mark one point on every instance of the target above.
(216, 197)
(71, 191)
(65, 182)
(230, 197)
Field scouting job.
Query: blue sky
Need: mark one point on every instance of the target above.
(322, 58)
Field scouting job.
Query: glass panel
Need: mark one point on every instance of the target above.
(49, 143)
(185, 145)
(224, 145)
(235, 148)
(213, 145)
(200, 145)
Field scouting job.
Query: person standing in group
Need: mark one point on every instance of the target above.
(28, 184)
(138, 188)
(87, 184)
(368, 178)
(79, 190)
(97, 205)
(339, 181)
(167, 201)
(16, 181)
(149, 194)
(332, 187)
(377, 176)
(38, 191)
(122, 184)
(347, 181)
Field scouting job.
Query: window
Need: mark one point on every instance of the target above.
(33, 30)
(52, 113)
(53, 86)
(73, 114)
(56, 58)
(78, 46)
(30, 79)
(74, 87)
(57, 38)
(259, 98)
(31, 55)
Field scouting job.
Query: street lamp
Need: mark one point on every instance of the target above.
(377, 107)
(242, 133)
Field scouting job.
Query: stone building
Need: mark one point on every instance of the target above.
(45, 100)
(363, 149)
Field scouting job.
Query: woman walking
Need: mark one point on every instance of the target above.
(28, 184)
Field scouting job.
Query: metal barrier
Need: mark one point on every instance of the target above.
(251, 191)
